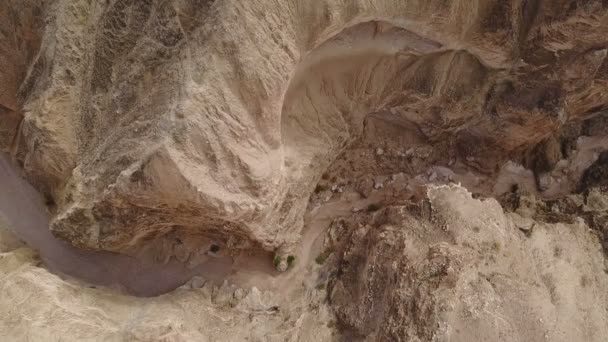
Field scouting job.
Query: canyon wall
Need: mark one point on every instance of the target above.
(213, 121)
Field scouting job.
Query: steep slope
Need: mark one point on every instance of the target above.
(210, 123)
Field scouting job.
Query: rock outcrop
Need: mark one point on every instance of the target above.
(461, 269)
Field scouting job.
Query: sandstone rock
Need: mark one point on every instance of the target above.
(378, 184)
(406, 279)
(545, 181)
(197, 282)
(597, 200)
(365, 186)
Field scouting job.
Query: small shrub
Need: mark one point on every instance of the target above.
(585, 281)
(290, 260)
(496, 246)
(276, 261)
(373, 207)
(557, 251)
(320, 188)
(321, 258)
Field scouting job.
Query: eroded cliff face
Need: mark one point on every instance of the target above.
(214, 121)
(455, 268)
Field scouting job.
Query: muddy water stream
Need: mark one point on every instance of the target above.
(23, 209)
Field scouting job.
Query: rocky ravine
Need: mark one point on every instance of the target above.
(215, 138)
(451, 268)
(214, 120)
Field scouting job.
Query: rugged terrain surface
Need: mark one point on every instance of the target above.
(230, 140)
(461, 269)
(449, 268)
(214, 121)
